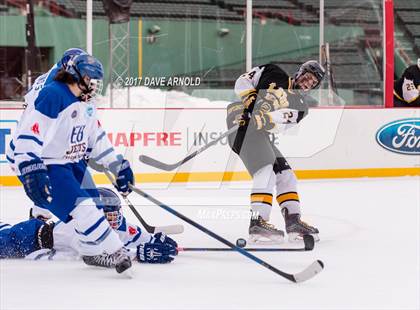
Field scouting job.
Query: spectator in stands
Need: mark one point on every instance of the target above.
(407, 88)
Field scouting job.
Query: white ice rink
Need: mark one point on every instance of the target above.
(369, 244)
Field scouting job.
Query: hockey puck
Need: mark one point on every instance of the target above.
(241, 242)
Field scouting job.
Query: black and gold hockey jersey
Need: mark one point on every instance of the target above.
(261, 82)
(407, 88)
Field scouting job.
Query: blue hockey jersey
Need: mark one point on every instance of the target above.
(19, 240)
(61, 129)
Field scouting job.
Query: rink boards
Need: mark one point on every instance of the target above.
(328, 143)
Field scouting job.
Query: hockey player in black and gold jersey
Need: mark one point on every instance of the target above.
(269, 97)
(407, 88)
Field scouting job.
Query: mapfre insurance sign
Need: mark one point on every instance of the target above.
(326, 139)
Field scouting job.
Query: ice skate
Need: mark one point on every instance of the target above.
(296, 228)
(262, 232)
(118, 260)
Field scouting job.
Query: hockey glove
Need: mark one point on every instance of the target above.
(36, 182)
(159, 250)
(123, 176)
(244, 118)
(45, 236)
(263, 121)
(277, 98)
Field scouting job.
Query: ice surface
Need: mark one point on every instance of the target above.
(369, 244)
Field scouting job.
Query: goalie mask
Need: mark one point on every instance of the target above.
(309, 76)
(111, 207)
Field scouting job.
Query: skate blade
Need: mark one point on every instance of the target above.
(262, 240)
(297, 238)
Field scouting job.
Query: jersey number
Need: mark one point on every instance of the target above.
(287, 116)
(410, 87)
(249, 75)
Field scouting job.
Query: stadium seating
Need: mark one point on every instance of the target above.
(407, 5)
(4, 9)
(353, 62)
(200, 9)
(408, 18)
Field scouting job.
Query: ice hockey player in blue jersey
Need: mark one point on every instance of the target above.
(21, 239)
(157, 248)
(30, 97)
(51, 241)
(51, 142)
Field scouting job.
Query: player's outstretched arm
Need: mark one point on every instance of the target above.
(161, 249)
(103, 153)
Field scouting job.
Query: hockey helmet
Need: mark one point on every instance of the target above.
(88, 72)
(111, 206)
(418, 63)
(69, 55)
(313, 67)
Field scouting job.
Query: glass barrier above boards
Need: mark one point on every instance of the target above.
(166, 53)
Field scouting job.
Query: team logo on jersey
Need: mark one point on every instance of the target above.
(77, 134)
(89, 110)
(132, 230)
(265, 107)
(402, 136)
(74, 114)
(35, 128)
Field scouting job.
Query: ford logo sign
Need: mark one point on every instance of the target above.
(402, 136)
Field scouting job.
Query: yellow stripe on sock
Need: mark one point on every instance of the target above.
(286, 197)
(265, 198)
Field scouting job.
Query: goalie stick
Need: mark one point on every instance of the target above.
(308, 273)
(169, 229)
(308, 240)
(168, 167)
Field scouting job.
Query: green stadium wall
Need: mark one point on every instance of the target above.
(182, 46)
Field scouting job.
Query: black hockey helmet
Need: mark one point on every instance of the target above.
(313, 67)
(111, 206)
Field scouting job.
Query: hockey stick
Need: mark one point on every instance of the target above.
(169, 229)
(168, 167)
(309, 272)
(307, 239)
